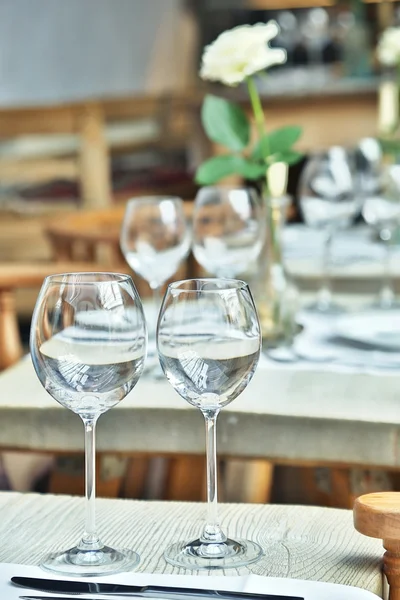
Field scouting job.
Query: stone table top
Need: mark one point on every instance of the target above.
(284, 414)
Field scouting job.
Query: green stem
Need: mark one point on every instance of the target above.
(259, 118)
(256, 106)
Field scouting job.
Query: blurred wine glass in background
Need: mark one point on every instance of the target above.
(381, 211)
(154, 239)
(228, 229)
(329, 201)
(315, 31)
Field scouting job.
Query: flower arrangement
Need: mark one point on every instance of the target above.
(388, 49)
(237, 56)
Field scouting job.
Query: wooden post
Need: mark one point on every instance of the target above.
(378, 515)
(10, 342)
(95, 160)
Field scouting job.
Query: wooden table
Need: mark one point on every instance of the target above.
(311, 543)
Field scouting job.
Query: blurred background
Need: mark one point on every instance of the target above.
(100, 101)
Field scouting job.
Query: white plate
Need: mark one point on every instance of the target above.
(375, 327)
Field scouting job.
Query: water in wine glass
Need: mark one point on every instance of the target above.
(209, 374)
(228, 229)
(90, 371)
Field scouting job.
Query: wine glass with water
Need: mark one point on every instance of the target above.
(381, 211)
(228, 229)
(88, 346)
(209, 343)
(329, 202)
(154, 239)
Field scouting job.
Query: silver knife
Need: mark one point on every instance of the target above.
(58, 586)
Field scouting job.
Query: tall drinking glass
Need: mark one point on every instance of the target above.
(154, 239)
(381, 211)
(209, 343)
(88, 346)
(329, 201)
(228, 229)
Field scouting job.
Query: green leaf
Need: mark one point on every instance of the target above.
(218, 167)
(225, 123)
(290, 157)
(279, 140)
(390, 146)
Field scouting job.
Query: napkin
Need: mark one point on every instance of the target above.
(311, 590)
(319, 347)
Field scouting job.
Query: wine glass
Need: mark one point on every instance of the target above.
(154, 240)
(88, 346)
(209, 341)
(329, 201)
(228, 229)
(381, 211)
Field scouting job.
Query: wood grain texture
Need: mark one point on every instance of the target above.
(378, 515)
(312, 543)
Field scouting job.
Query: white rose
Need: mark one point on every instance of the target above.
(240, 52)
(388, 50)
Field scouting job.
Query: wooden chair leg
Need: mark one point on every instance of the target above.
(248, 480)
(10, 342)
(68, 475)
(134, 483)
(186, 479)
(95, 160)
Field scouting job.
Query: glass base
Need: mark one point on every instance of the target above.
(199, 555)
(383, 305)
(76, 562)
(320, 308)
(285, 354)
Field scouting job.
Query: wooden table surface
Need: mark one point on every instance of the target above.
(312, 543)
(301, 416)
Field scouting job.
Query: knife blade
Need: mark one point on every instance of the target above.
(58, 586)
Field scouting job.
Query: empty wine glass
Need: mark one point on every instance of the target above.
(154, 239)
(381, 211)
(88, 346)
(209, 342)
(228, 229)
(329, 201)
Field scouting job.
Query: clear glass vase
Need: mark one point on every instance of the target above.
(273, 292)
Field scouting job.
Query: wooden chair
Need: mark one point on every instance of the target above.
(74, 141)
(93, 235)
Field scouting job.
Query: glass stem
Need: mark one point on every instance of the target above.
(387, 295)
(212, 531)
(156, 289)
(156, 298)
(90, 539)
(324, 298)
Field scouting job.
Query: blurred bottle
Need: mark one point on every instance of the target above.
(356, 41)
